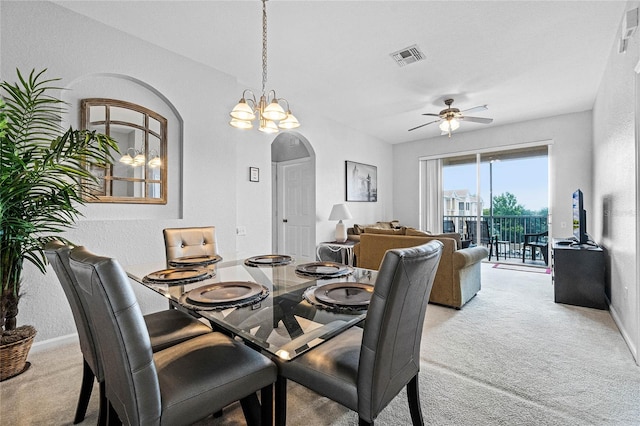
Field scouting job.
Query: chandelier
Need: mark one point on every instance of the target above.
(271, 115)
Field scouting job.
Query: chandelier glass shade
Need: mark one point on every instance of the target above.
(268, 110)
(135, 158)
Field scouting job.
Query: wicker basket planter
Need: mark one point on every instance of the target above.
(13, 353)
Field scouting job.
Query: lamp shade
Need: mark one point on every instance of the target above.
(339, 212)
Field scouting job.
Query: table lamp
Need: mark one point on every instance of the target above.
(340, 212)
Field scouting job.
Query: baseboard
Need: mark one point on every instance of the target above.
(628, 340)
(54, 343)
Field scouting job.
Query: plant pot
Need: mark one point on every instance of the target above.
(13, 354)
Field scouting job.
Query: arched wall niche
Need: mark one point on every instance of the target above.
(130, 89)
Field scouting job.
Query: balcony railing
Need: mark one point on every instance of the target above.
(508, 229)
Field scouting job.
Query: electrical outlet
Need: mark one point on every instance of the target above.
(241, 231)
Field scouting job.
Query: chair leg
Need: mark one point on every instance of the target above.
(251, 409)
(364, 422)
(103, 405)
(266, 406)
(281, 401)
(85, 392)
(112, 416)
(413, 395)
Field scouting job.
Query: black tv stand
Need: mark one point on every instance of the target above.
(578, 274)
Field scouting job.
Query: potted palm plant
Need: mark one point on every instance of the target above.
(43, 175)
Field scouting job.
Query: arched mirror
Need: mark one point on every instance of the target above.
(139, 172)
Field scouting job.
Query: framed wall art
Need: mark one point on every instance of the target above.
(254, 174)
(361, 182)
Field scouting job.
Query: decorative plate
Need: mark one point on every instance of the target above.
(344, 294)
(269, 260)
(324, 269)
(224, 292)
(198, 260)
(178, 276)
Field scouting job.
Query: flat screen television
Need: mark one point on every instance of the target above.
(579, 218)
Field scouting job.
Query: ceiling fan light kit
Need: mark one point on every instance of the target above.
(449, 118)
(268, 109)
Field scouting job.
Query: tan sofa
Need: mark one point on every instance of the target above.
(458, 276)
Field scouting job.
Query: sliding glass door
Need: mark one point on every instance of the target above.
(504, 191)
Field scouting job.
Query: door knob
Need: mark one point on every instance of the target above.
(284, 220)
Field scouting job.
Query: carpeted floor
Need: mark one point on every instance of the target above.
(523, 268)
(511, 356)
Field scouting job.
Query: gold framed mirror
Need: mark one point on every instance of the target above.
(139, 172)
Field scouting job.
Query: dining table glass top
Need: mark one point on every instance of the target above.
(289, 308)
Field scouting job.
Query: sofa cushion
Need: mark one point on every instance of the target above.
(453, 235)
(416, 232)
(385, 231)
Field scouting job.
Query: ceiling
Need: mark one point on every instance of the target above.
(524, 59)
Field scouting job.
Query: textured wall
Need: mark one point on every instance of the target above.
(614, 220)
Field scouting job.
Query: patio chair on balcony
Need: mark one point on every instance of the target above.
(448, 226)
(485, 238)
(540, 241)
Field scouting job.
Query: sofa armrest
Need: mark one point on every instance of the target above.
(469, 256)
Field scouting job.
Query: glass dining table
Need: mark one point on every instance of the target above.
(293, 306)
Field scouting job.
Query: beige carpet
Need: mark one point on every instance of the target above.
(511, 356)
(523, 268)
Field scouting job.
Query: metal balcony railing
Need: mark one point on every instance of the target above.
(508, 229)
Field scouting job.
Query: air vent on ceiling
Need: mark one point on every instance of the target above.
(408, 55)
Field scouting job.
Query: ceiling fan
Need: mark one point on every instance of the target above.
(450, 118)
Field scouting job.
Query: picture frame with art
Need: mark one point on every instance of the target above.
(254, 174)
(361, 182)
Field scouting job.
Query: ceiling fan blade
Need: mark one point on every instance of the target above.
(431, 114)
(476, 108)
(477, 119)
(422, 125)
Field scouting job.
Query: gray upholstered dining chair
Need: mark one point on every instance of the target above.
(178, 385)
(165, 328)
(365, 368)
(180, 242)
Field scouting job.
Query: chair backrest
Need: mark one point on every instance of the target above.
(484, 229)
(448, 226)
(390, 352)
(472, 228)
(58, 255)
(131, 381)
(180, 242)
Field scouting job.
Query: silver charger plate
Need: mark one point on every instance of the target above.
(324, 269)
(196, 260)
(344, 294)
(178, 275)
(253, 301)
(269, 260)
(224, 292)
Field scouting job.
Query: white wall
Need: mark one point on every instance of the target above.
(570, 161)
(615, 193)
(215, 157)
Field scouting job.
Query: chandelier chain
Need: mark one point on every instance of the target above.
(264, 45)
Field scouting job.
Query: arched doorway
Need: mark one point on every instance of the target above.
(293, 163)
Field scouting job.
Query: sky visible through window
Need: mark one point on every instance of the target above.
(526, 178)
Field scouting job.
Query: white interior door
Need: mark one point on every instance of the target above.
(296, 210)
